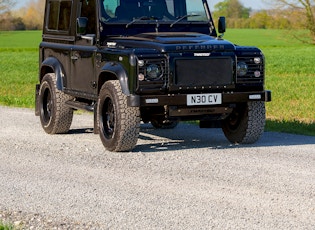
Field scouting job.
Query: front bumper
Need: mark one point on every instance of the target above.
(181, 99)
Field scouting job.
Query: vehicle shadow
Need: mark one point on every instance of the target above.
(80, 131)
(189, 136)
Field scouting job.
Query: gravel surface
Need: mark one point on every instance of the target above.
(186, 178)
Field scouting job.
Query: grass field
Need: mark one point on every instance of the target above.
(290, 74)
(18, 67)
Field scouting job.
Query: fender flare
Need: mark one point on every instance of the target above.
(120, 73)
(56, 66)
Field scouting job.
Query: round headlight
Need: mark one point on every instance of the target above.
(153, 71)
(242, 69)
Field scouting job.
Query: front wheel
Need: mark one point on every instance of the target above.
(246, 123)
(119, 124)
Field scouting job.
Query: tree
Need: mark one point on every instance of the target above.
(305, 6)
(18, 23)
(236, 13)
(6, 5)
(5, 14)
(260, 20)
(32, 14)
(232, 9)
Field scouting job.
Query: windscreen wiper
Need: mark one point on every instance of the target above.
(183, 17)
(140, 19)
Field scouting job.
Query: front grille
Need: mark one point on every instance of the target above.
(204, 72)
(252, 68)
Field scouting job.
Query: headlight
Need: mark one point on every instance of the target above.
(153, 71)
(242, 69)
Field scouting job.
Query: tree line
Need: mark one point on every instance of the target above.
(283, 14)
(29, 17)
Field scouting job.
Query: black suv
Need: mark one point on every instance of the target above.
(158, 61)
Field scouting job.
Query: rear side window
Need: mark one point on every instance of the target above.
(59, 13)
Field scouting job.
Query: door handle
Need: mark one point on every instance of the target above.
(74, 57)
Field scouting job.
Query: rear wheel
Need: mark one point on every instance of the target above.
(119, 124)
(246, 123)
(55, 115)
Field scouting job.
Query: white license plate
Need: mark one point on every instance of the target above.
(204, 99)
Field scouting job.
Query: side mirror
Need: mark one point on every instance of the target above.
(222, 25)
(81, 25)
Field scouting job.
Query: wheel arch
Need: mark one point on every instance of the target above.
(114, 71)
(52, 65)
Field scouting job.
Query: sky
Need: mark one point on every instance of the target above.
(254, 4)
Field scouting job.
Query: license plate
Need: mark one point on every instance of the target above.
(204, 99)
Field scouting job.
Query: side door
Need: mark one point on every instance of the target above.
(58, 38)
(83, 78)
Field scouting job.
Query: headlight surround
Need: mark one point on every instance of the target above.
(151, 69)
(242, 69)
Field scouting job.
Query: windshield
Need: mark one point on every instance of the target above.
(179, 11)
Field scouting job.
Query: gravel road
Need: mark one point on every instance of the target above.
(186, 178)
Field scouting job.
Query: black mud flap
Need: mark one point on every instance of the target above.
(37, 109)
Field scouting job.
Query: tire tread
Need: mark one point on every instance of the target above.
(128, 128)
(62, 115)
(251, 125)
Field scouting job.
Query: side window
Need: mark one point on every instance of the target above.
(110, 7)
(64, 15)
(88, 10)
(53, 16)
(59, 15)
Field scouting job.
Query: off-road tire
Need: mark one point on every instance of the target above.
(55, 115)
(160, 124)
(119, 124)
(246, 124)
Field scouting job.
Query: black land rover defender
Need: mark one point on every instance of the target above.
(158, 61)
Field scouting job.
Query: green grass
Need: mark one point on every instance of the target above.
(18, 78)
(296, 127)
(19, 67)
(290, 74)
(6, 226)
(20, 40)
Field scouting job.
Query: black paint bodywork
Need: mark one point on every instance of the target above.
(195, 61)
